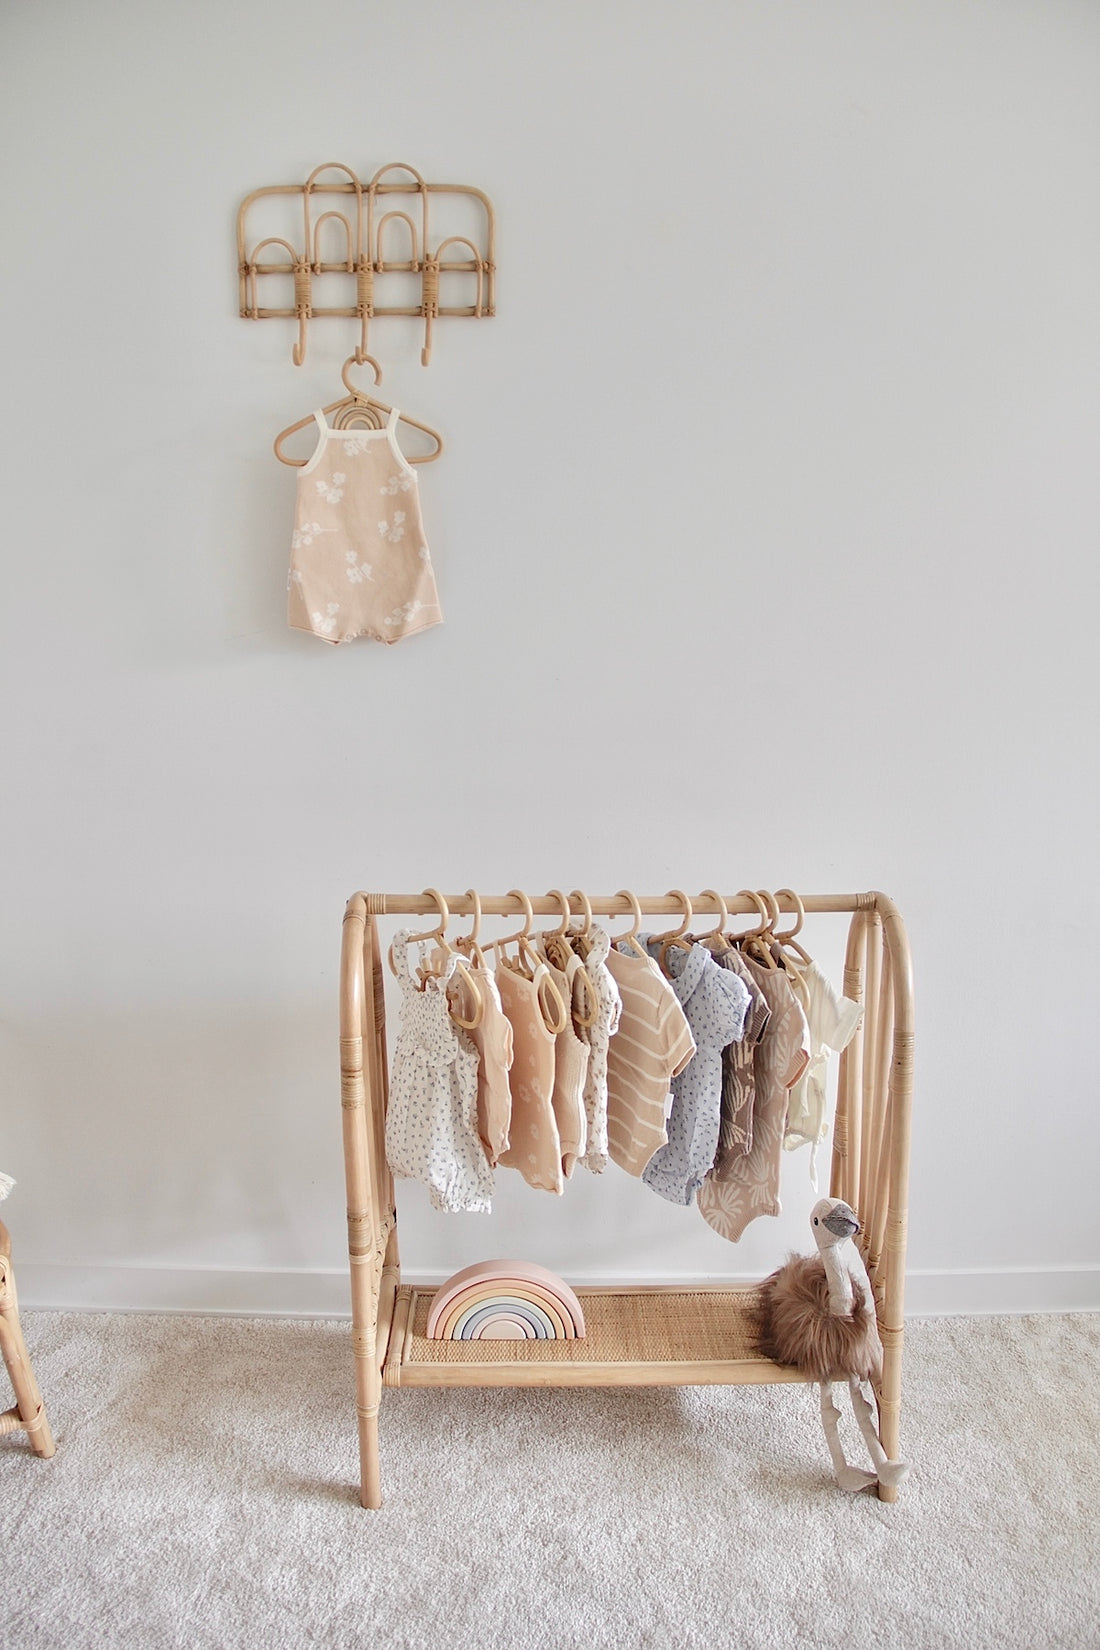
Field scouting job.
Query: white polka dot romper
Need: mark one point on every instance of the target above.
(431, 1120)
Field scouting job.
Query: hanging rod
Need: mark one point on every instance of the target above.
(608, 905)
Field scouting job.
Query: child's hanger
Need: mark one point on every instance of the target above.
(755, 937)
(715, 939)
(632, 937)
(676, 936)
(756, 943)
(530, 965)
(467, 943)
(581, 938)
(359, 407)
(438, 933)
(560, 953)
(785, 940)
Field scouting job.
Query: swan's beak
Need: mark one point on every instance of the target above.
(841, 1222)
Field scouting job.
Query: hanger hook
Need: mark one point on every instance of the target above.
(628, 894)
(674, 933)
(436, 933)
(359, 359)
(800, 915)
(773, 911)
(475, 898)
(585, 903)
(566, 909)
(761, 911)
(521, 935)
(720, 925)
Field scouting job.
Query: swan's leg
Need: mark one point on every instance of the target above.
(849, 1478)
(888, 1472)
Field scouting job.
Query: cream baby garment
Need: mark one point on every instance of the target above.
(359, 562)
(492, 1037)
(599, 1037)
(652, 1044)
(534, 1146)
(832, 1021)
(431, 1119)
(742, 1185)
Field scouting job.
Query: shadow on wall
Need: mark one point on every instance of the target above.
(199, 1136)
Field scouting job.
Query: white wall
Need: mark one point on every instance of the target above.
(767, 536)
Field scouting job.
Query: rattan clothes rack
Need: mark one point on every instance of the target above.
(637, 1335)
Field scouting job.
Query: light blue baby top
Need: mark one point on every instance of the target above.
(715, 1003)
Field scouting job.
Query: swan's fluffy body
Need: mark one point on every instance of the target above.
(796, 1326)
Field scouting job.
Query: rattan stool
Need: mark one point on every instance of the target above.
(29, 1414)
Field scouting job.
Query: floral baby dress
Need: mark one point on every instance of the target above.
(431, 1120)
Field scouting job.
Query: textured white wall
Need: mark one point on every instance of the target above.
(767, 536)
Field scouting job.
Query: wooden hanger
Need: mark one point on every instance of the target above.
(527, 962)
(359, 408)
(581, 938)
(753, 942)
(715, 938)
(631, 938)
(785, 940)
(758, 943)
(678, 937)
(467, 943)
(556, 946)
(438, 933)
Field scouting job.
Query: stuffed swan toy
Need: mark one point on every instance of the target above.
(818, 1313)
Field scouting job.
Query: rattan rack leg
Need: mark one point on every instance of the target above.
(30, 1412)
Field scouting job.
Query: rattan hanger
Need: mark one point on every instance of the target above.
(558, 951)
(715, 938)
(359, 408)
(527, 962)
(581, 938)
(785, 940)
(678, 937)
(467, 943)
(439, 934)
(631, 938)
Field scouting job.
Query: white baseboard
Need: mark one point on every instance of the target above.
(255, 1292)
(1002, 1290)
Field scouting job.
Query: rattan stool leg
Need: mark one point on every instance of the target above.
(29, 1414)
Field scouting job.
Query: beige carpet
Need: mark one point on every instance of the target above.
(202, 1496)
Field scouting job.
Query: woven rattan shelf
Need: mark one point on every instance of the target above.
(637, 1335)
(634, 1337)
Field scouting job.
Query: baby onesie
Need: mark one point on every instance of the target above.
(738, 1060)
(832, 1021)
(652, 1044)
(359, 563)
(742, 1185)
(715, 1002)
(534, 1146)
(492, 1038)
(571, 1057)
(599, 1037)
(431, 1119)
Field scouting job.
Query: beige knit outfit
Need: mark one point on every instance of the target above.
(571, 1056)
(652, 1044)
(534, 1146)
(359, 563)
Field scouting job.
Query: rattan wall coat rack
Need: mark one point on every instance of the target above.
(358, 231)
